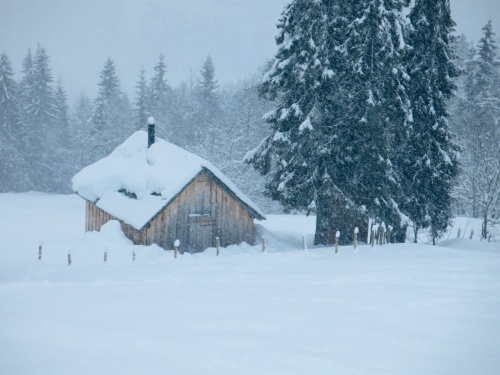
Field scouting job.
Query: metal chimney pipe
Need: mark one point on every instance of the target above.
(151, 131)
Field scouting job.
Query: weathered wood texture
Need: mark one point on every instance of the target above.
(202, 211)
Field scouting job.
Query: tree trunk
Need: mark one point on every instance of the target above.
(325, 234)
(475, 212)
(399, 233)
(334, 215)
(484, 228)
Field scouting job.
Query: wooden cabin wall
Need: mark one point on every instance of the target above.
(95, 218)
(230, 221)
(219, 215)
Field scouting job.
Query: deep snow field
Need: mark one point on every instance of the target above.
(392, 309)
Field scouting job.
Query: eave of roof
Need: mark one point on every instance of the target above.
(257, 215)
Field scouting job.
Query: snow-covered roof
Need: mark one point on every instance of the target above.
(135, 182)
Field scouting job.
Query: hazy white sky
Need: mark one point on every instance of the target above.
(80, 35)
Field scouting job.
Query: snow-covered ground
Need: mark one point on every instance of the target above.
(392, 309)
(462, 227)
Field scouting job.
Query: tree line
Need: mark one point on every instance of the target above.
(43, 142)
(476, 120)
(373, 110)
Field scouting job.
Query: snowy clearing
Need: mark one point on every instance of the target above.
(393, 309)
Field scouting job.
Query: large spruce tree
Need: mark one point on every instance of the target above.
(339, 87)
(301, 156)
(428, 165)
(377, 106)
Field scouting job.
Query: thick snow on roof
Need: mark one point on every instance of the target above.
(154, 175)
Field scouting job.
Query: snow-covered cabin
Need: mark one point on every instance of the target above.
(161, 193)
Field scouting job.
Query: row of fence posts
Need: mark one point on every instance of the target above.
(471, 235)
(176, 249)
(378, 235)
(337, 236)
(69, 255)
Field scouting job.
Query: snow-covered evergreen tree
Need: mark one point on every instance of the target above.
(378, 106)
(11, 165)
(141, 101)
(301, 156)
(208, 116)
(37, 120)
(26, 122)
(341, 104)
(208, 84)
(81, 131)
(159, 99)
(62, 111)
(63, 164)
(108, 96)
(26, 87)
(428, 163)
(182, 115)
(111, 120)
(42, 129)
(43, 89)
(487, 48)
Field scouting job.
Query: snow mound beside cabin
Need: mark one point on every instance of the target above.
(110, 232)
(135, 182)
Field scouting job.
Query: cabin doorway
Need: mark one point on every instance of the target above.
(200, 232)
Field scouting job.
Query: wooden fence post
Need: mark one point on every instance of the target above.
(40, 252)
(458, 234)
(304, 243)
(105, 256)
(471, 233)
(217, 244)
(337, 235)
(69, 259)
(133, 256)
(176, 245)
(356, 231)
(263, 244)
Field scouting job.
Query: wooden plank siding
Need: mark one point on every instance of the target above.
(202, 211)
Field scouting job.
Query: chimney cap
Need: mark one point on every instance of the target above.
(151, 120)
